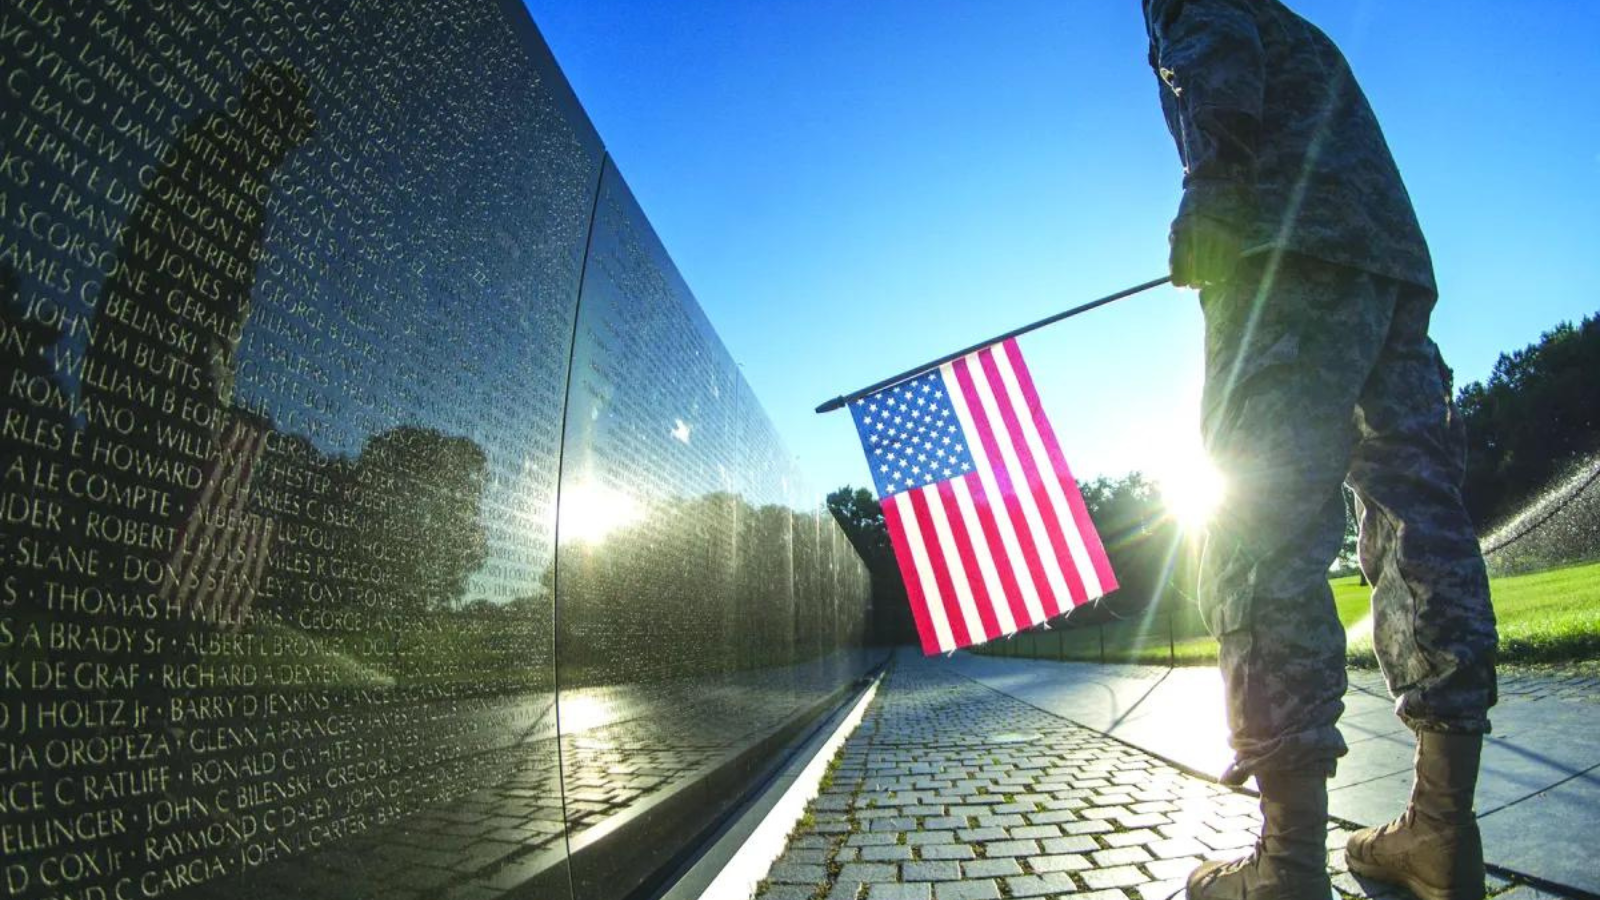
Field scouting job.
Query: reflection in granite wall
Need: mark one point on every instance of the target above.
(296, 377)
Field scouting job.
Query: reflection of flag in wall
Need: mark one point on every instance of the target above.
(221, 550)
(987, 523)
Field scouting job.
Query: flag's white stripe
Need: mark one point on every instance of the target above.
(930, 586)
(980, 548)
(952, 560)
(1019, 476)
(997, 505)
(1052, 481)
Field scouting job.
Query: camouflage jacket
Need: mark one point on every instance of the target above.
(1277, 138)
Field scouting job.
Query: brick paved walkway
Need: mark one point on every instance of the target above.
(1565, 681)
(953, 791)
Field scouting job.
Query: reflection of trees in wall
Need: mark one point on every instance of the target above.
(418, 495)
(700, 585)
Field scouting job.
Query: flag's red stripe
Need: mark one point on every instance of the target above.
(1035, 476)
(1058, 460)
(1008, 494)
(908, 574)
(969, 561)
(940, 563)
(997, 550)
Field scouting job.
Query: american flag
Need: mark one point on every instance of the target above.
(987, 523)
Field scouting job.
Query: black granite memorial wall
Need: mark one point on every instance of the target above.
(379, 514)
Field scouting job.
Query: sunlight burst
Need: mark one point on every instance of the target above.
(590, 512)
(1191, 488)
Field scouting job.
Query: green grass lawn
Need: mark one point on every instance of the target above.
(1551, 616)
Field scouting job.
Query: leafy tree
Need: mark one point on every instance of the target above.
(1536, 415)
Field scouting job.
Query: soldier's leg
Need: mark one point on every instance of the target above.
(1433, 627)
(1289, 345)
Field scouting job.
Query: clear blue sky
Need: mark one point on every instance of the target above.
(851, 188)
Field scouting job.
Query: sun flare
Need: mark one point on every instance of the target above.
(1191, 487)
(590, 512)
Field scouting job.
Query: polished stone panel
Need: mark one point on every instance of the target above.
(289, 295)
(701, 616)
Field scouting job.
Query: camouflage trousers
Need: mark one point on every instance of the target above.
(1318, 375)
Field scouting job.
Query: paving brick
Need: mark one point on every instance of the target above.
(931, 870)
(1131, 838)
(1010, 848)
(899, 892)
(1060, 862)
(1005, 821)
(1118, 876)
(885, 854)
(861, 872)
(1121, 856)
(894, 823)
(983, 889)
(946, 851)
(846, 891)
(1170, 848)
(800, 855)
(798, 873)
(788, 892)
(991, 868)
(1075, 844)
(1041, 885)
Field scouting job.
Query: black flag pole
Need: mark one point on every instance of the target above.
(844, 399)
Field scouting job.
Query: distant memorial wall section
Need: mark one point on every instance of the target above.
(379, 514)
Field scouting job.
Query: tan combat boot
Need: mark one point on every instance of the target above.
(1290, 861)
(1433, 849)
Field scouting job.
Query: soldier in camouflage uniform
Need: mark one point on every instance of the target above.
(1317, 286)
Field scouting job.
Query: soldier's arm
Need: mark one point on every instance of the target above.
(1210, 56)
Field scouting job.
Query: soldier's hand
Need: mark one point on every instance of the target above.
(1205, 251)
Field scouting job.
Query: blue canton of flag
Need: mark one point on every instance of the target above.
(911, 435)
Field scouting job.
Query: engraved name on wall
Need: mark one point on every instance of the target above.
(276, 535)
